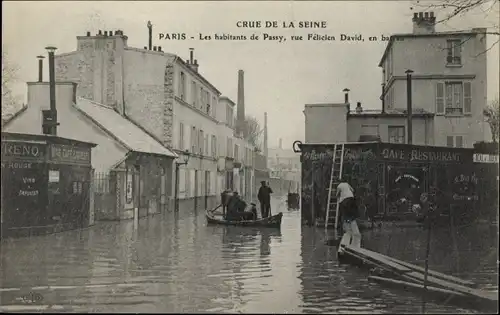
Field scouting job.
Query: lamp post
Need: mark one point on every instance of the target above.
(177, 165)
(409, 105)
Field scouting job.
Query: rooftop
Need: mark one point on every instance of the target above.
(472, 32)
(418, 112)
(122, 129)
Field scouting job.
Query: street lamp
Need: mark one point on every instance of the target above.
(177, 165)
(409, 105)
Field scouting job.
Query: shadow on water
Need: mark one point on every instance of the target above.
(174, 262)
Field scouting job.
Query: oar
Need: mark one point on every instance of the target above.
(213, 211)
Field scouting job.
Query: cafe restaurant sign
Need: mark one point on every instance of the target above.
(69, 154)
(421, 155)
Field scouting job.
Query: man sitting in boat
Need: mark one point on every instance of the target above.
(235, 208)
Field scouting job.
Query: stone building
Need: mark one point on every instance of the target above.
(165, 95)
(449, 88)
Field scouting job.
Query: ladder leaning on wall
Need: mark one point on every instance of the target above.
(332, 207)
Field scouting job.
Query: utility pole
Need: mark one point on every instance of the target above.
(409, 105)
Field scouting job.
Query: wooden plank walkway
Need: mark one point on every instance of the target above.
(415, 286)
(411, 274)
(408, 275)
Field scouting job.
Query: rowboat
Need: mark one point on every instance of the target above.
(271, 222)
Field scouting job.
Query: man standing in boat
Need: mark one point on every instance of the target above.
(264, 197)
(347, 203)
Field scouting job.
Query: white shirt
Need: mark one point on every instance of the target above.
(345, 191)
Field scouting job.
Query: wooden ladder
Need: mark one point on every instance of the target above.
(332, 207)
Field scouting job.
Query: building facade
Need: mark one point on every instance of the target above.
(284, 166)
(449, 88)
(449, 79)
(132, 171)
(170, 99)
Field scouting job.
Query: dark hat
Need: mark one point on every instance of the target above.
(263, 182)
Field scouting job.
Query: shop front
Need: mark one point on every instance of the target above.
(45, 184)
(390, 180)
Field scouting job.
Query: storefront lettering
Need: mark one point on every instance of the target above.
(407, 176)
(466, 179)
(29, 180)
(69, 153)
(315, 156)
(485, 158)
(418, 155)
(465, 198)
(16, 165)
(393, 154)
(28, 193)
(18, 149)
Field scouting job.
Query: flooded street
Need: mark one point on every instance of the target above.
(176, 263)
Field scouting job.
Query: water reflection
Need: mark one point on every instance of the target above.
(176, 263)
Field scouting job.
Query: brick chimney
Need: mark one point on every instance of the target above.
(192, 63)
(424, 23)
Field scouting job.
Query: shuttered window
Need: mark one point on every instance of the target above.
(459, 142)
(440, 98)
(467, 97)
(181, 136)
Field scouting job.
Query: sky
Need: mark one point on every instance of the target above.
(280, 78)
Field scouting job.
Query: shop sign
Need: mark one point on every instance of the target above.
(485, 158)
(23, 150)
(53, 176)
(420, 155)
(69, 154)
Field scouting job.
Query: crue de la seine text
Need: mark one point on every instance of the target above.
(282, 24)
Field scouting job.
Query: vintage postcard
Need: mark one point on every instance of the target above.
(250, 156)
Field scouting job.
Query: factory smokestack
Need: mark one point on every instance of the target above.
(150, 35)
(240, 111)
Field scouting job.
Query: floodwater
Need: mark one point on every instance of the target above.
(176, 263)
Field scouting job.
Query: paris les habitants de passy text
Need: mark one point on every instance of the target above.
(266, 31)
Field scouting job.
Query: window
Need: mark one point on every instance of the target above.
(236, 152)
(229, 116)
(193, 139)
(181, 136)
(371, 130)
(453, 98)
(454, 52)
(201, 142)
(182, 86)
(207, 101)
(229, 150)
(213, 146)
(202, 98)
(455, 141)
(214, 107)
(396, 134)
(206, 145)
(194, 95)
